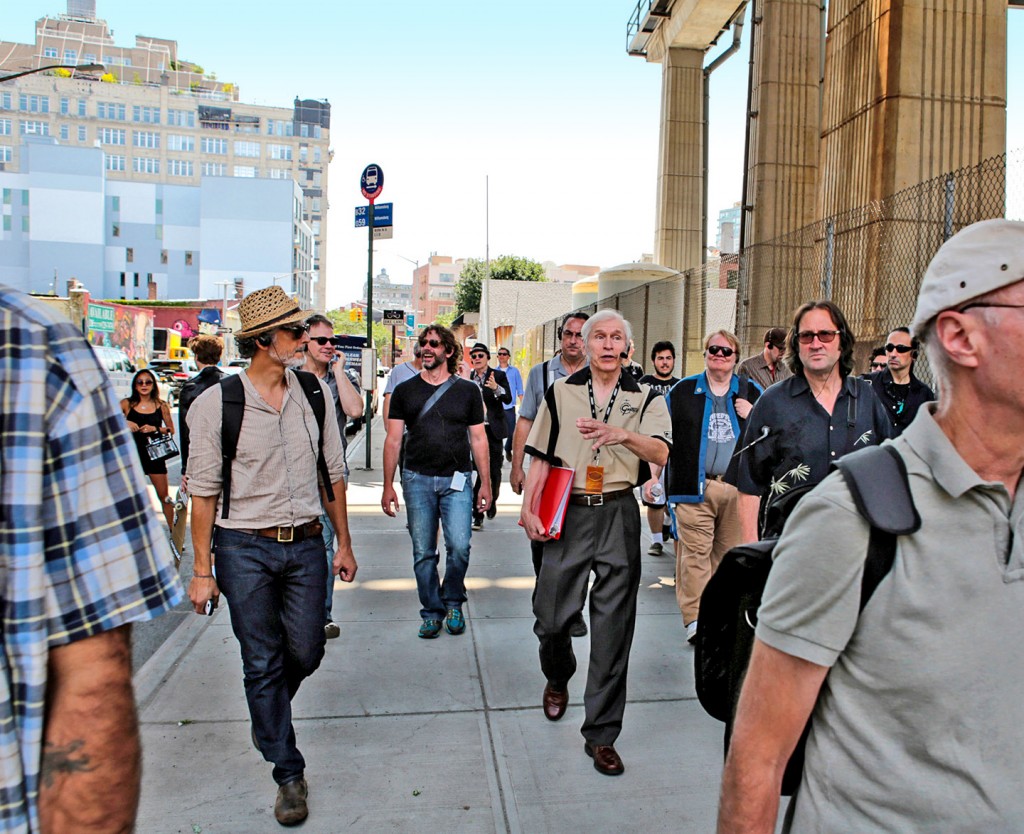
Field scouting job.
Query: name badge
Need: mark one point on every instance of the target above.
(458, 481)
(595, 480)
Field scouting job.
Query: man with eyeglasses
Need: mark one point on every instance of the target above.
(326, 362)
(709, 412)
(899, 389)
(515, 384)
(265, 532)
(917, 720)
(496, 393)
(570, 358)
(444, 414)
(802, 425)
(766, 368)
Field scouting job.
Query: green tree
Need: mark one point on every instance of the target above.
(381, 334)
(503, 268)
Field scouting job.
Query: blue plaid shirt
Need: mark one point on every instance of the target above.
(81, 549)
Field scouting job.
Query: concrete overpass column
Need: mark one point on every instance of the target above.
(680, 160)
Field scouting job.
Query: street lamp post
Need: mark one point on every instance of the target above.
(72, 67)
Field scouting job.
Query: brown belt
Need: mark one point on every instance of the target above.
(598, 500)
(287, 535)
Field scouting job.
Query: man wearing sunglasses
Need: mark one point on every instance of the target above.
(917, 720)
(709, 412)
(766, 368)
(327, 363)
(802, 425)
(495, 390)
(515, 384)
(900, 391)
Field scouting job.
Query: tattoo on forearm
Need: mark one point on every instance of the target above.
(67, 758)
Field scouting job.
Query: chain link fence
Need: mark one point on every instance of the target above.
(869, 261)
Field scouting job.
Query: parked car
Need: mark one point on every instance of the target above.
(118, 366)
(174, 372)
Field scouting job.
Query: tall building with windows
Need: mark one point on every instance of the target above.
(433, 287)
(728, 237)
(161, 119)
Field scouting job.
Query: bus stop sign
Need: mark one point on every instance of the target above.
(372, 182)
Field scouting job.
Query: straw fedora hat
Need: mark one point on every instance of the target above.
(266, 309)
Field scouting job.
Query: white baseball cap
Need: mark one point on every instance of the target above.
(979, 259)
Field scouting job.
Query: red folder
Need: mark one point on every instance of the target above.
(554, 499)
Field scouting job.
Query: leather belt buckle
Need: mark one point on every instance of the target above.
(595, 500)
(282, 539)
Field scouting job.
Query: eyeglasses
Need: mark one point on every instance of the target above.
(889, 348)
(323, 340)
(824, 336)
(990, 304)
(718, 350)
(503, 353)
(878, 366)
(434, 343)
(143, 382)
(570, 335)
(477, 355)
(294, 330)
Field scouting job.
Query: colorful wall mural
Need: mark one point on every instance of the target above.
(120, 326)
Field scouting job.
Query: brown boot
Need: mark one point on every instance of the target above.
(290, 807)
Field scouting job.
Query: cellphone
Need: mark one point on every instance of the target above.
(210, 608)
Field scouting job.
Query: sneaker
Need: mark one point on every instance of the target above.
(454, 623)
(430, 629)
(332, 630)
(656, 549)
(578, 627)
(478, 523)
(691, 632)
(492, 511)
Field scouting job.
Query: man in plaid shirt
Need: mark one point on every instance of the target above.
(82, 555)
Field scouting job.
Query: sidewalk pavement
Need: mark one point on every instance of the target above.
(407, 735)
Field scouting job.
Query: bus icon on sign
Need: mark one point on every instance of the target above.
(372, 175)
(371, 183)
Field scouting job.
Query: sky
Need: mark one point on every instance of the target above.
(520, 128)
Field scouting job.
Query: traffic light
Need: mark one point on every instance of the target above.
(355, 314)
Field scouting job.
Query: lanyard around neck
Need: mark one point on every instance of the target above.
(611, 399)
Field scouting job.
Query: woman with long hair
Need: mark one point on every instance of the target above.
(148, 415)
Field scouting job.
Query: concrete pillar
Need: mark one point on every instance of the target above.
(677, 234)
(914, 89)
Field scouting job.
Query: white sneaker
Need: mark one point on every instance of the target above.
(691, 632)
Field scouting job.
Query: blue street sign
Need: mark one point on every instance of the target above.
(382, 215)
(371, 183)
(410, 320)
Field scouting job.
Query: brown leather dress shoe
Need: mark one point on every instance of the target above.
(606, 760)
(555, 702)
(290, 807)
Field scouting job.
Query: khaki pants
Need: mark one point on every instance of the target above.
(706, 531)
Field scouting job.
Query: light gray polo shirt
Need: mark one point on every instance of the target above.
(920, 722)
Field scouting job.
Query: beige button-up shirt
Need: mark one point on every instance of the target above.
(274, 480)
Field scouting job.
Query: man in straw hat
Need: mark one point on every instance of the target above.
(917, 717)
(259, 516)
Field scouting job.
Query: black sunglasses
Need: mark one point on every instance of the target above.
(502, 353)
(477, 355)
(889, 348)
(322, 340)
(295, 330)
(824, 336)
(878, 366)
(434, 343)
(718, 350)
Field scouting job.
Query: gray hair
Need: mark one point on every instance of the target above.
(416, 348)
(602, 316)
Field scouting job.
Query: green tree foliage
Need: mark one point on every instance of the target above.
(504, 268)
(381, 334)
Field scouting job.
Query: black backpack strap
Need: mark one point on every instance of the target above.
(315, 394)
(233, 406)
(878, 482)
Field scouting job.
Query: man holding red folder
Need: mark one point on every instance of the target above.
(606, 427)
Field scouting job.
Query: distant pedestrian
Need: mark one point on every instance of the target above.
(496, 393)
(82, 557)
(207, 350)
(259, 512)
(445, 418)
(149, 417)
(515, 382)
(767, 367)
(635, 369)
(663, 360)
(878, 362)
(897, 386)
(570, 358)
(916, 719)
(604, 425)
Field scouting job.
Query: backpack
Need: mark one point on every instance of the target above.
(877, 480)
(233, 398)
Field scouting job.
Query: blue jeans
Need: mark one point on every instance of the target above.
(430, 499)
(276, 593)
(328, 537)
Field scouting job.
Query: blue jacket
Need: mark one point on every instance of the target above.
(690, 405)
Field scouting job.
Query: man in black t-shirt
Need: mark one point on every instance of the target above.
(663, 358)
(898, 388)
(445, 419)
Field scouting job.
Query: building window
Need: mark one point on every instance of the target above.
(158, 232)
(136, 279)
(148, 115)
(303, 153)
(34, 104)
(49, 52)
(218, 146)
(249, 149)
(145, 139)
(7, 196)
(115, 203)
(188, 259)
(65, 132)
(81, 107)
(89, 58)
(34, 128)
(316, 204)
(283, 152)
(5, 127)
(7, 222)
(145, 165)
(122, 279)
(65, 105)
(24, 224)
(6, 153)
(115, 231)
(213, 169)
(112, 136)
(110, 110)
(81, 133)
(129, 255)
(279, 173)
(163, 256)
(245, 171)
(447, 277)
(179, 167)
(5, 101)
(181, 118)
(113, 162)
(180, 142)
(70, 56)
(316, 154)
(316, 179)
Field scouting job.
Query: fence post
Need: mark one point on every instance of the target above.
(947, 214)
(830, 252)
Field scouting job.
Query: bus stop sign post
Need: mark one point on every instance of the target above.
(371, 183)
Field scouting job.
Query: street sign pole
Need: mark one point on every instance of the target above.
(369, 324)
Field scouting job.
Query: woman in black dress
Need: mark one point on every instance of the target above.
(147, 415)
